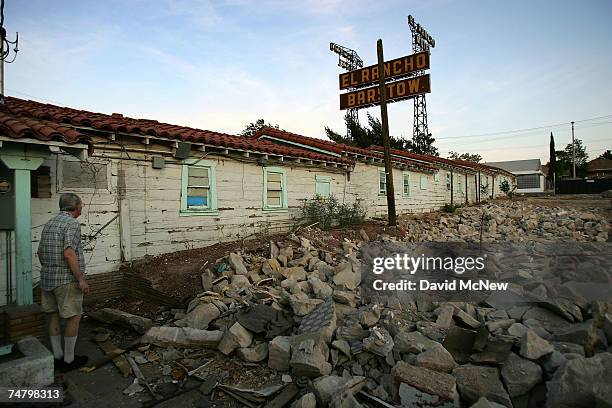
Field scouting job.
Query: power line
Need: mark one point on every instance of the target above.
(492, 139)
(523, 130)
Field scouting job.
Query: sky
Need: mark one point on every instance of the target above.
(504, 74)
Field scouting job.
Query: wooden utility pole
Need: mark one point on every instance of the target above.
(385, 135)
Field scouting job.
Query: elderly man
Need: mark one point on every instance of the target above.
(62, 279)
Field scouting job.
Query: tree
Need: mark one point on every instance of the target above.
(471, 157)
(422, 144)
(254, 127)
(363, 136)
(552, 161)
(564, 160)
(606, 155)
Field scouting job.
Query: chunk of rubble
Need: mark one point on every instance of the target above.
(321, 320)
(296, 272)
(347, 276)
(237, 264)
(302, 305)
(309, 355)
(279, 353)
(534, 347)
(334, 391)
(464, 318)
(520, 375)
(200, 317)
(474, 382)
(436, 358)
(412, 342)
(379, 342)
(188, 337)
(582, 382)
(423, 384)
(114, 316)
(306, 401)
(445, 316)
(320, 289)
(253, 354)
(485, 403)
(237, 336)
(369, 315)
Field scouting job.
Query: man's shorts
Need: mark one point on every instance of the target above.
(66, 299)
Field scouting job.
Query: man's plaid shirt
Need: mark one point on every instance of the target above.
(59, 233)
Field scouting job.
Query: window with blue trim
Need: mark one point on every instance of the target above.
(323, 186)
(406, 185)
(198, 193)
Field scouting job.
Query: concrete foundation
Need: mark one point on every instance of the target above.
(35, 369)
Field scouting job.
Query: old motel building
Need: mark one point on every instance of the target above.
(151, 188)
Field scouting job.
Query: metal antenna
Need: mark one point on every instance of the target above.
(349, 60)
(5, 50)
(421, 41)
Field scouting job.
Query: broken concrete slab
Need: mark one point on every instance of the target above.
(320, 289)
(581, 383)
(302, 305)
(237, 264)
(237, 336)
(520, 375)
(182, 337)
(330, 390)
(534, 347)
(412, 342)
(253, 354)
(33, 369)
(435, 383)
(309, 354)
(346, 276)
(279, 353)
(200, 317)
(460, 342)
(436, 358)
(465, 319)
(114, 316)
(474, 382)
(485, 403)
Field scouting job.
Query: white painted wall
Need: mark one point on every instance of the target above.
(156, 227)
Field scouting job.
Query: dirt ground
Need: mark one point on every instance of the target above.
(185, 267)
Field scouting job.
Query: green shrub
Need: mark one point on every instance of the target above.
(504, 186)
(450, 208)
(328, 212)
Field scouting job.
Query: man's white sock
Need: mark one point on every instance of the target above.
(56, 346)
(69, 343)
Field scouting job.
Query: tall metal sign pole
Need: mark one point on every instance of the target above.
(421, 41)
(385, 128)
(573, 153)
(381, 84)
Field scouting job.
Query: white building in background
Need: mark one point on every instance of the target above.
(529, 175)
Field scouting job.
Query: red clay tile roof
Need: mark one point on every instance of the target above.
(450, 162)
(24, 118)
(339, 148)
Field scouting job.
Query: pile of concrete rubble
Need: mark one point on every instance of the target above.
(300, 311)
(516, 221)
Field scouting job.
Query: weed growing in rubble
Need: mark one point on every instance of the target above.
(450, 208)
(328, 212)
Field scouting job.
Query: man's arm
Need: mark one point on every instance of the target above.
(73, 263)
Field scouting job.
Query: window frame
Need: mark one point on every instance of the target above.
(449, 183)
(406, 176)
(323, 180)
(283, 195)
(211, 208)
(423, 182)
(380, 191)
(459, 185)
(436, 176)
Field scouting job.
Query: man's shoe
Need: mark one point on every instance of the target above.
(59, 363)
(78, 362)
